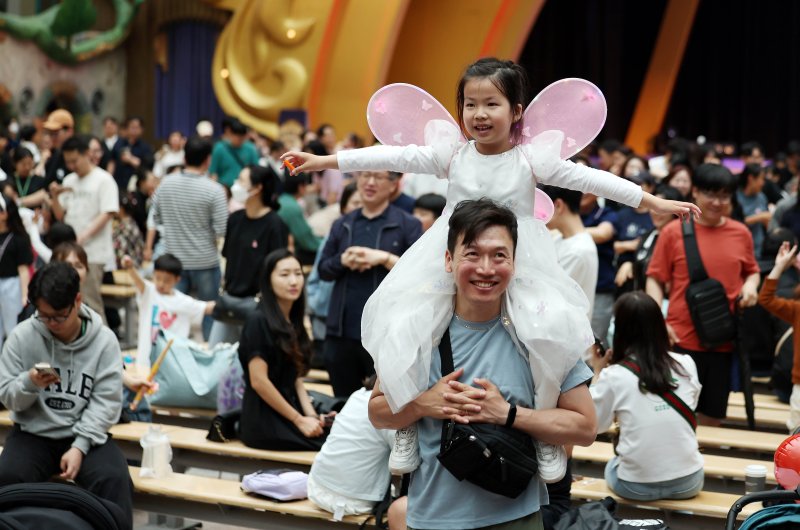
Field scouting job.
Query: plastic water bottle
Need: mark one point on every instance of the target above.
(157, 453)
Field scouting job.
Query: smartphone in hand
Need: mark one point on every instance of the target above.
(45, 368)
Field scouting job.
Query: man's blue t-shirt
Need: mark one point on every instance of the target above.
(438, 500)
(751, 205)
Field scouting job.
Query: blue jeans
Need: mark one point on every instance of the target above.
(205, 282)
(678, 488)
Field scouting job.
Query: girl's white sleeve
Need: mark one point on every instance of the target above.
(403, 159)
(603, 396)
(543, 155)
(574, 176)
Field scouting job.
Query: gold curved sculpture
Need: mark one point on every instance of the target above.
(255, 74)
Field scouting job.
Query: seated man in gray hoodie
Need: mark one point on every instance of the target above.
(62, 418)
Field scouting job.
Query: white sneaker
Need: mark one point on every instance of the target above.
(405, 453)
(552, 462)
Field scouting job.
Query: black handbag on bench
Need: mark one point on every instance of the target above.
(494, 457)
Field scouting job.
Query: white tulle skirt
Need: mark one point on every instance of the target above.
(405, 318)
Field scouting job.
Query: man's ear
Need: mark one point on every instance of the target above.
(448, 261)
(78, 300)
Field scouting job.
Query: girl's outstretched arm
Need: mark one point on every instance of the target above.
(299, 162)
(664, 206)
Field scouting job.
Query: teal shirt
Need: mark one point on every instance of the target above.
(227, 161)
(436, 499)
(292, 215)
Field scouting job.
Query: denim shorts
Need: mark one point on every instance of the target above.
(678, 488)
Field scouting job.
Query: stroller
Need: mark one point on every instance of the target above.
(783, 516)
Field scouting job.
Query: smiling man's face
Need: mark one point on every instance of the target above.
(483, 269)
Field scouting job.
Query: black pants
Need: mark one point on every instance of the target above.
(30, 458)
(348, 364)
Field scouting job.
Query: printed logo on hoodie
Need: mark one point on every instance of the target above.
(74, 384)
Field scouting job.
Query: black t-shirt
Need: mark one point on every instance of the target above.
(27, 185)
(247, 242)
(260, 426)
(17, 252)
(55, 169)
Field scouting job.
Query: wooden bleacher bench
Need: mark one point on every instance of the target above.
(318, 376)
(765, 418)
(762, 401)
(707, 503)
(721, 437)
(714, 465)
(213, 499)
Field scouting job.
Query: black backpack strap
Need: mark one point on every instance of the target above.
(697, 272)
(446, 355)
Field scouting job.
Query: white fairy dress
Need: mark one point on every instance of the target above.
(543, 308)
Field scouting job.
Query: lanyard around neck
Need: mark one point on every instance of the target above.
(23, 191)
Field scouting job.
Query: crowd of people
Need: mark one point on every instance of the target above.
(369, 248)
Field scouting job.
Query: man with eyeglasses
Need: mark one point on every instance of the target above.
(726, 249)
(362, 248)
(62, 416)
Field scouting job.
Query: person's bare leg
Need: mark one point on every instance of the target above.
(396, 515)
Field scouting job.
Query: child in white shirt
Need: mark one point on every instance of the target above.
(161, 306)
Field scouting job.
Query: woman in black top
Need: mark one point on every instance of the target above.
(252, 233)
(15, 259)
(276, 410)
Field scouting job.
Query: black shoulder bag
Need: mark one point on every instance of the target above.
(496, 458)
(706, 298)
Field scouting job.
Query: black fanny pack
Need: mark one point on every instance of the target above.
(494, 457)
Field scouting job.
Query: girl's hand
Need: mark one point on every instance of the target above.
(300, 162)
(785, 256)
(663, 206)
(310, 427)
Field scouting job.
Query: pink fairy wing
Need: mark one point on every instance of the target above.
(398, 114)
(543, 207)
(573, 106)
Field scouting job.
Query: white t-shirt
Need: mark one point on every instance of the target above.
(354, 461)
(175, 312)
(92, 195)
(655, 442)
(577, 255)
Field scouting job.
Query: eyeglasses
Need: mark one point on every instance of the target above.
(721, 196)
(57, 319)
(379, 177)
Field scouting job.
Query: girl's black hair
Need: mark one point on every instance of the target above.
(509, 78)
(268, 180)
(20, 154)
(641, 335)
(14, 221)
(290, 336)
(347, 192)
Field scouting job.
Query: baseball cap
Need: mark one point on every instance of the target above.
(59, 119)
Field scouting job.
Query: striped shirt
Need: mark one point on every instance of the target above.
(193, 210)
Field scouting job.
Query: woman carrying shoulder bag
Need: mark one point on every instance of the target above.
(653, 393)
(252, 233)
(276, 411)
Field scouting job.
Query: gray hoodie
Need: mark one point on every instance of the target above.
(88, 399)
